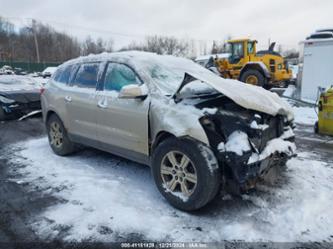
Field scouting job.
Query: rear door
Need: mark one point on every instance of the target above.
(122, 123)
(82, 103)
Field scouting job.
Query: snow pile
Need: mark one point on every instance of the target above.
(196, 87)
(105, 198)
(237, 142)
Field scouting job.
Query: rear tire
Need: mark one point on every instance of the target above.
(253, 77)
(179, 162)
(58, 138)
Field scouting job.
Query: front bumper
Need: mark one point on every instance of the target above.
(16, 109)
(244, 174)
(23, 102)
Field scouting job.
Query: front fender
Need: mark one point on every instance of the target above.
(177, 119)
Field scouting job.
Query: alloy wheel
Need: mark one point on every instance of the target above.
(178, 173)
(56, 134)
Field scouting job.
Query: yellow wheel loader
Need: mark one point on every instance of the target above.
(325, 113)
(263, 68)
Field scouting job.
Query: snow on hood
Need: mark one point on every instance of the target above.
(248, 96)
(17, 83)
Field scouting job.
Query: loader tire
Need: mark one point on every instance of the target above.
(253, 77)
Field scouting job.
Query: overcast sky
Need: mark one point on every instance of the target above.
(284, 21)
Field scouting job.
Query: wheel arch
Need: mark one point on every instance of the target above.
(258, 66)
(49, 114)
(160, 137)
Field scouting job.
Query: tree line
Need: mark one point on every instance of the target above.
(38, 42)
(42, 43)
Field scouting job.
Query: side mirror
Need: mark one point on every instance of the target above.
(133, 92)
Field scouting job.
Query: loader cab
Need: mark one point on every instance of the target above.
(241, 50)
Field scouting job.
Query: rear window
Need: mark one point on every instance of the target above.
(86, 76)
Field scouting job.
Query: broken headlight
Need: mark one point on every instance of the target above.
(6, 100)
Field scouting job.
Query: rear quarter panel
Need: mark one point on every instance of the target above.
(53, 100)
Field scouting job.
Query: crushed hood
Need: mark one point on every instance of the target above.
(248, 96)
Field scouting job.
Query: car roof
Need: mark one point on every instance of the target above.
(117, 56)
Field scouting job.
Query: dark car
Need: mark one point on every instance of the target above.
(18, 96)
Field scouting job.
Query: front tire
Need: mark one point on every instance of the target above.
(253, 77)
(186, 173)
(58, 138)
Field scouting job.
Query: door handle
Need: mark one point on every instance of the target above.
(68, 99)
(102, 104)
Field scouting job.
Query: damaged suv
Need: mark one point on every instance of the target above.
(197, 131)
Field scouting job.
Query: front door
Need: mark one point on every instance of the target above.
(122, 123)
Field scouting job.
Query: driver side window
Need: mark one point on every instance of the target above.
(119, 75)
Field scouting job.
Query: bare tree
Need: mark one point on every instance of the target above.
(160, 45)
(53, 46)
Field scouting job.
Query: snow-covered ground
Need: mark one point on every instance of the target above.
(305, 115)
(105, 197)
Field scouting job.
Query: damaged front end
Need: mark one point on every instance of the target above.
(16, 104)
(247, 143)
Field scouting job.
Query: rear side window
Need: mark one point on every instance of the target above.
(64, 77)
(86, 77)
(57, 74)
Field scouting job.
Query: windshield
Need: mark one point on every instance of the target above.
(168, 73)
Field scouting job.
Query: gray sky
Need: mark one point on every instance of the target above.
(283, 21)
